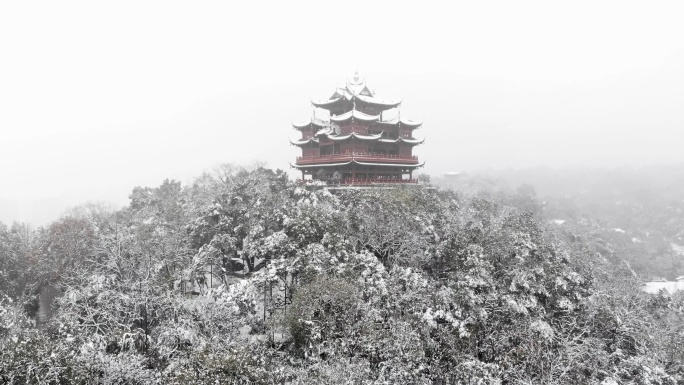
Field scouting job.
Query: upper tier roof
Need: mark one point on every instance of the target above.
(355, 114)
(378, 102)
(356, 90)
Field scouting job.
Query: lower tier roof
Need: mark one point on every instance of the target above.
(357, 162)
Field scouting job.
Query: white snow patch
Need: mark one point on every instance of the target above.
(654, 287)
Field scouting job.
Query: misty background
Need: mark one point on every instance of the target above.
(96, 99)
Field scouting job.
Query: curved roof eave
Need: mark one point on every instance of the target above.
(405, 122)
(412, 141)
(412, 123)
(325, 103)
(303, 142)
(355, 114)
(388, 164)
(367, 137)
(307, 123)
(355, 135)
(339, 138)
(380, 102)
(321, 165)
(302, 124)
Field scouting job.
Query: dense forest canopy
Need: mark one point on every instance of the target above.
(245, 277)
(640, 211)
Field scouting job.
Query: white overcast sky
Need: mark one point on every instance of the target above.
(99, 97)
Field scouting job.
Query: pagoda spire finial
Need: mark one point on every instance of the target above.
(356, 75)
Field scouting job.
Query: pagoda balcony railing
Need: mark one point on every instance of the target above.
(348, 155)
(358, 182)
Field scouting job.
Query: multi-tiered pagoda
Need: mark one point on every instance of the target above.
(354, 138)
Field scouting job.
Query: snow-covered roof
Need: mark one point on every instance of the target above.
(403, 121)
(320, 165)
(378, 137)
(359, 163)
(410, 122)
(412, 141)
(367, 137)
(388, 164)
(339, 138)
(381, 102)
(327, 103)
(303, 141)
(307, 123)
(356, 115)
(355, 135)
(302, 124)
(405, 140)
(345, 94)
(324, 131)
(355, 88)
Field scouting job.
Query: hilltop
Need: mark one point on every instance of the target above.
(245, 277)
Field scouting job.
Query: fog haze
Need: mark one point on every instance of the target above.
(96, 99)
